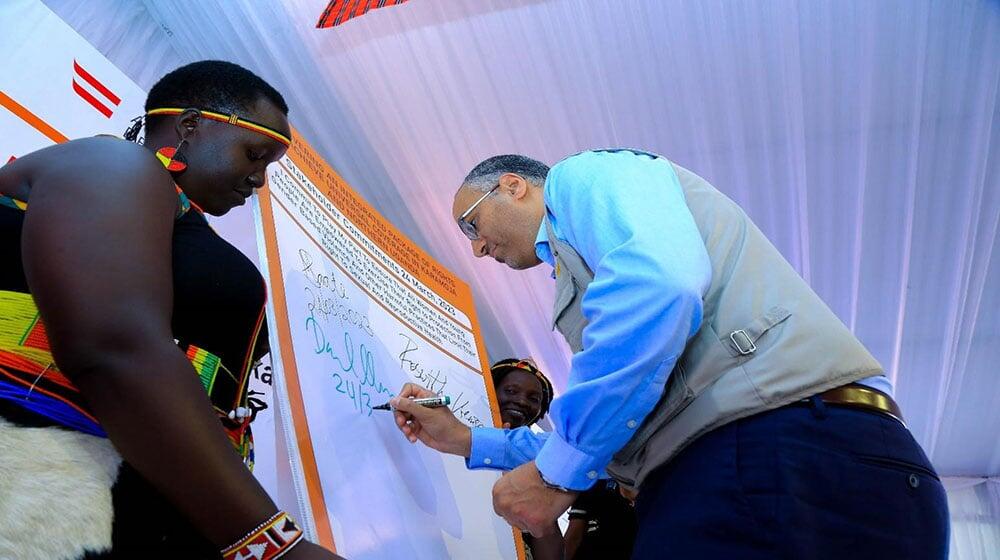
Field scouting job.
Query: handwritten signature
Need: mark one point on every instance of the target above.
(356, 360)
(433, 381)
(327, 295)
(320, 280)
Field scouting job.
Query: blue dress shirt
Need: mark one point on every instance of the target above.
(624, 212)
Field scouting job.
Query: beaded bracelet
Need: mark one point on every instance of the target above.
(269, 540)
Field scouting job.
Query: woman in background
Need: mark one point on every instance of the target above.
(524, 395)
(112, 287)
(601, 522)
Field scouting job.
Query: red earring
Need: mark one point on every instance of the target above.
(168, 157)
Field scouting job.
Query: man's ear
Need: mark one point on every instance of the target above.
(514, 185)
(187, 123)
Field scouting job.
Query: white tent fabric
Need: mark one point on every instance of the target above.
(974, 504)
(862, 137)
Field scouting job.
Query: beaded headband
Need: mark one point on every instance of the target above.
(230, 119)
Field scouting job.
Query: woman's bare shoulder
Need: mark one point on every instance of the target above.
(101, 162)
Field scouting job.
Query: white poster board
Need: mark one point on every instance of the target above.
(357, 311)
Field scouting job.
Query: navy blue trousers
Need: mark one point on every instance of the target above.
(808, 481)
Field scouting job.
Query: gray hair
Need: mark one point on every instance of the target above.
(486, 175)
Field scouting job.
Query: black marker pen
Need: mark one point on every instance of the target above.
(432, 402)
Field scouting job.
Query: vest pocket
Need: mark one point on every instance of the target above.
(565, 292)
(676, 396)
(567, 314)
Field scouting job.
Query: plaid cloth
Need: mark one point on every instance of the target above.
(339, 11)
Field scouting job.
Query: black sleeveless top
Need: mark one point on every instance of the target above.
(218, 321)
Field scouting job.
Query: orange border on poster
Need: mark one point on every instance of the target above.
(33, 120)
(401, 250)
(300, 424)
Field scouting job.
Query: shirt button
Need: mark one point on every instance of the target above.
(592, 475)
(630, 424)
(914, 481)
(488, 461)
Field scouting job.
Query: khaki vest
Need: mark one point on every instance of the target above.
(766, 339)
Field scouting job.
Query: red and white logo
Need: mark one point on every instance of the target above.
(91, 90)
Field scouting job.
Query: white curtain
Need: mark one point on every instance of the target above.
(974, 504)
(863, 138)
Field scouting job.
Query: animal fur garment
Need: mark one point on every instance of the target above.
(55, 493)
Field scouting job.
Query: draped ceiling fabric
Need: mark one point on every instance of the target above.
(862, 137)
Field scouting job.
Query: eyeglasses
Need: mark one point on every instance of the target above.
(469, 228)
